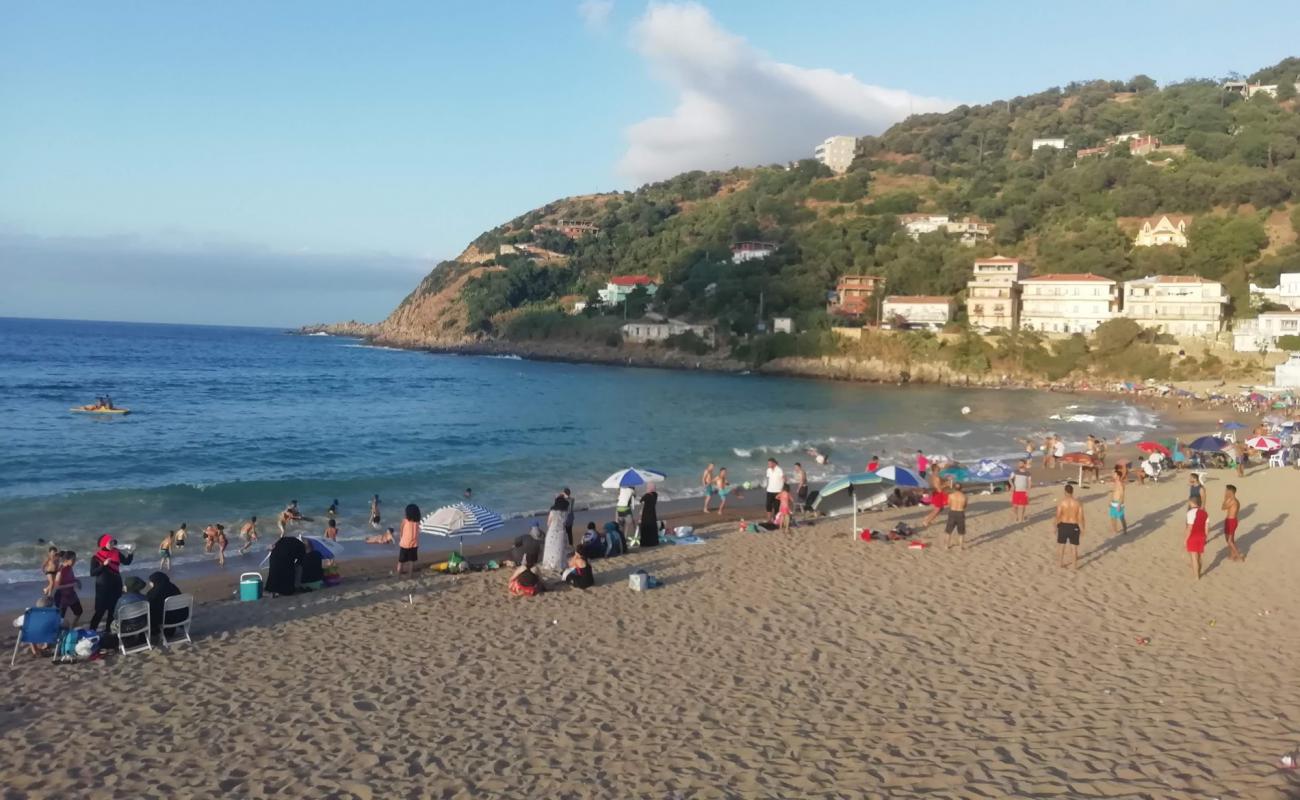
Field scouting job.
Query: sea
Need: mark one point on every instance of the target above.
(231, 422)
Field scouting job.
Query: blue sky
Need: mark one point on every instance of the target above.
(229, 152)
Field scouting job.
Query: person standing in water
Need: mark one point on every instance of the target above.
(1069, 527)
(249, 534)
(1118, 521)
(1197, 519)
(333, 511)
(706, 481)
(165, 551)
(181, 533)
(332, 531)
(1231, 508)
(374, 512)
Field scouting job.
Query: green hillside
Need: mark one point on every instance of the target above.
(1228, 163)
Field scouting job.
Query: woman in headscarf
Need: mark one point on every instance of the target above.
(281, 575)
(553, 560)
(106, 568)
(313, 569)
(160, 588)
(649, 517)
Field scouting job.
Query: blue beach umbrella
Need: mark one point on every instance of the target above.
(1233, 426)
(901, 476)
(848, 483)
(1207, 444)
(633, 476)
(328, 550)
(461, 520)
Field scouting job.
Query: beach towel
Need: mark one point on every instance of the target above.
(686, 540)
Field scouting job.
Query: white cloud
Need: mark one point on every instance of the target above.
(738, 106)
(595, 13)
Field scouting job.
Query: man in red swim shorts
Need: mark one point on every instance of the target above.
(1196, 524)
(1231, 508)
(938, 501)
(1020, 484)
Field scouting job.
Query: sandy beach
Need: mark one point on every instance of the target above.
(768, 665)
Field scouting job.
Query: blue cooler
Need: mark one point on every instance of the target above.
(250, 586)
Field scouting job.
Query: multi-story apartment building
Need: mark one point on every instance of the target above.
(993, 292)
(837, 153)
(1067, 303)
(1181, 305)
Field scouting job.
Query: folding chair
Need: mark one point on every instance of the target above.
(177, 612)
(1276, 459)
(40, 626)
(132, 622)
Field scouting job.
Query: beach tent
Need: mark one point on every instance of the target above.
(850, 484)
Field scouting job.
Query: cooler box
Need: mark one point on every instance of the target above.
(250, 586)
(639, 581)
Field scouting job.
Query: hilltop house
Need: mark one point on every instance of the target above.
(1181, 305)
(749, 251)
(837, 153)
(852, 296)
(968, 230)
(1067, 303)
(1056, 143)
(918, 311)
(1286, 293)
(993, 292)
(1159, 231)
(1261, 334)
(620, 286)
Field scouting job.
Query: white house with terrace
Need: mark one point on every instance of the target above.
(917, 311)
(1260, 335)
(1067, 303)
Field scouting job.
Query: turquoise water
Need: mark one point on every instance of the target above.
(229, 422)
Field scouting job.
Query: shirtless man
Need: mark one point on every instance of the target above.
(956, 518)
(722, 488)
(249, 534)
(283, 522)
(1117, 518)
(1231, 508)
(1069, 527)
(209, 537)
(706, 481)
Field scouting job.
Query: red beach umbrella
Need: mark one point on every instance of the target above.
(1154, 447)
(1077, 458)
(1264, 444)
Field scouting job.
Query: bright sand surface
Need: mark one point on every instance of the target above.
(768, 665)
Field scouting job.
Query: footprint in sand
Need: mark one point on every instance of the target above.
(365, 705)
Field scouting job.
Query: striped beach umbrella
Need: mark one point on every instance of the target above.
(633, 476)
(460, 520)
(1264, 444)
(901, 476)
(850, 484)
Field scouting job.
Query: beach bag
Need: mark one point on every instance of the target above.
(76, 645)
(455, 562)
(524, 591)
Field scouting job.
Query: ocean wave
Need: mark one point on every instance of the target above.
(954, 434)
(318, 333)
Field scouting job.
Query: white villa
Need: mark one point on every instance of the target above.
(993, 292)
(645, 331)
(620, 286)
(1260, 335)
(918, 311)
(1067, 303)
(1158, 231)
(970, 231)
(1286, 293)
(749, 251)
(1054, 142)
(1288, 372)
(1181, 305)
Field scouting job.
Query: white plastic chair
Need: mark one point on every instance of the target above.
(178, 610)
(1276, 460)
(132, 622)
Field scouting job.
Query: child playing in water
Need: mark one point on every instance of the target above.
(221, 543)
(165, 551)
